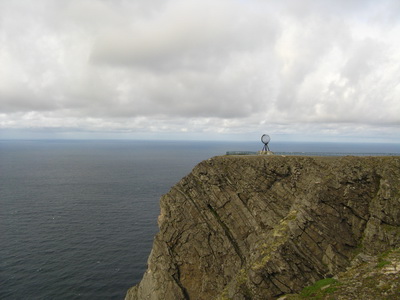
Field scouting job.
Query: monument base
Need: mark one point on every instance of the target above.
(265, 153)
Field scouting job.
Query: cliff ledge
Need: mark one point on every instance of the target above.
(264, 227)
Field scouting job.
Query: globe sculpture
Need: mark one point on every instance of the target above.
(265, 140)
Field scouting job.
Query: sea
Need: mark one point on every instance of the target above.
(78, 218)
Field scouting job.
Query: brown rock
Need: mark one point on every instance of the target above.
(259, 227)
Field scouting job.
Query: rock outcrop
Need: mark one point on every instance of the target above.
(260, 227)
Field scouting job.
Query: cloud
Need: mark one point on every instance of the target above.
(185, 35)
(215, 66)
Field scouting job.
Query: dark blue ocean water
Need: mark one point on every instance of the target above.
(77, 218)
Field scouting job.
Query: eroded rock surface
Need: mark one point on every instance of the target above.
(259, 227)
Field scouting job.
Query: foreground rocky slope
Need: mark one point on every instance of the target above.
(369, 278)
(260, 227)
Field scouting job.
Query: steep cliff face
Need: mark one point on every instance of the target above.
(259, 227)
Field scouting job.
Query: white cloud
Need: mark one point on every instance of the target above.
(329, 68)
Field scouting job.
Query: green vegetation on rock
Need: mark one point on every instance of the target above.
(319, 289)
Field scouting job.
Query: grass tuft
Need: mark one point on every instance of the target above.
(319, 289)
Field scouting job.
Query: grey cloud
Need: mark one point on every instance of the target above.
(108, 64)
(194, 63)
(186, 36)
(302, 49)
(364, 57)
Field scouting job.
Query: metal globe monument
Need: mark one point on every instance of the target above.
(265, 139)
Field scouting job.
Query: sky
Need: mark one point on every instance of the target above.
(212, 69)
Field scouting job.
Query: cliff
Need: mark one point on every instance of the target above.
(261, 227)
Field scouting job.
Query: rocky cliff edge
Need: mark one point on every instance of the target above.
(261, 227)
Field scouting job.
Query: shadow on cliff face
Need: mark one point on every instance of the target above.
(257, 227)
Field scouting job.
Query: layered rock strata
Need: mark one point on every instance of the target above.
(259, 227)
